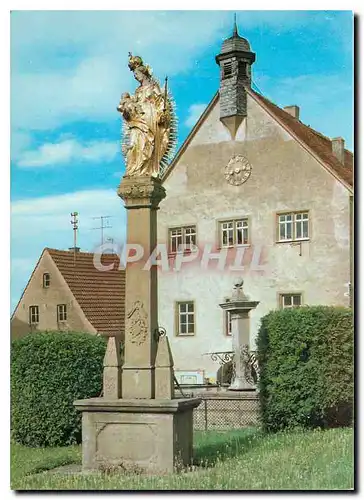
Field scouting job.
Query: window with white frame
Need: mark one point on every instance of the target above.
(34, 315)
(289, 300)
(62, 312)
(181, 238)
(234, 232)
(228, 324)
(186, 324)
(293, 226)
(46, 280)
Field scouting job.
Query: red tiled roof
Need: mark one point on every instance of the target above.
(100, 294)
(318, 143)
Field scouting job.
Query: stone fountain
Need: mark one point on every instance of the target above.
(239, 306)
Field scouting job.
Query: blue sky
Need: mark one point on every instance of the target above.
(69, 68)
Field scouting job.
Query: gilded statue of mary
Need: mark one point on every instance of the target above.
(148, 132)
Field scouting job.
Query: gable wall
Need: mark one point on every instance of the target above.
(284, 177)
(47, 299)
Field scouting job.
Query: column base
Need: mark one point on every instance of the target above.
(241, 385)
(152, 435)
(138, 383)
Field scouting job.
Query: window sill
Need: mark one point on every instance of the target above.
(185, 252)
(185, 334)
(245, 245)
(292, 241)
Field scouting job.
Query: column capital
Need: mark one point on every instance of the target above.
(141, 191)
(239, 306)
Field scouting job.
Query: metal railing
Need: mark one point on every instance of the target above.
(222, 413)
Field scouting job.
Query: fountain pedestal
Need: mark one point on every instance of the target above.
(239, 307)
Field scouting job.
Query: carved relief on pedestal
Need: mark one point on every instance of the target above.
(238, 170)
(137, 323)
(116, 441)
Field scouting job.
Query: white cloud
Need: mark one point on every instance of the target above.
(45, 222)
(61, 153)
(311, 88)
(72, 65)
(18, 142)
(194, 113)
(68, 66)
(48, 99)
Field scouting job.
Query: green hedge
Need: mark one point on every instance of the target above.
(306, 367)
(49, 371)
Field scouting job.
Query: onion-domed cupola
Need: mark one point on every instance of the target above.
(235, 61)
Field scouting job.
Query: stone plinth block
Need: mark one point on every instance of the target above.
(153, 435)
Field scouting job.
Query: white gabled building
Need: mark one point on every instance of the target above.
(253, 181)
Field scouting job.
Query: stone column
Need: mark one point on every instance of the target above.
(142, 196)
(239, 307)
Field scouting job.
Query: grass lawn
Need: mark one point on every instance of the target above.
(235, 460)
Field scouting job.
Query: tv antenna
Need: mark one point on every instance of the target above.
(74, 222)
(104, 224)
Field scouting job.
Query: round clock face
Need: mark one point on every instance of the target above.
(238, 170)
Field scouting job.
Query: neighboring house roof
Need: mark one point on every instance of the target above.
(317, 144)
(100, 294)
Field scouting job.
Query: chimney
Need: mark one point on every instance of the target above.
(293, 111)
(338, 148)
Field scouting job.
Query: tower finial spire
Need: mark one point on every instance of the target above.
(235, 32)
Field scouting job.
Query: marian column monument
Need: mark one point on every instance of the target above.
(149, 137)
(138, 421)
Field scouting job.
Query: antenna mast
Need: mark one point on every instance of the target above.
(103, 226)
(74, 222)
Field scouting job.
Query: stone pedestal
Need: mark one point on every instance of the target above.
(239, 307)
(152, 435)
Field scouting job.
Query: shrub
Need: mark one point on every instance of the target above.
(49, 371)
(306, 367)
